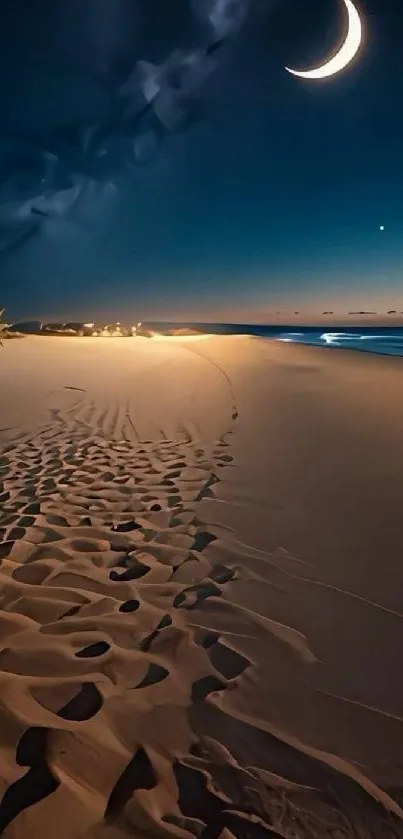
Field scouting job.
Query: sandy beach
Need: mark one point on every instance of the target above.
(201, 625)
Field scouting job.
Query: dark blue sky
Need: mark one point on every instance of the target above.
(265, 194)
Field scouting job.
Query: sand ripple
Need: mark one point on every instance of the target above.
(122, 667)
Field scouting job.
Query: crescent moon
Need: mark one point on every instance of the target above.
(345, 54)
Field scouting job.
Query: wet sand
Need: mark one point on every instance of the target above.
(201, 590)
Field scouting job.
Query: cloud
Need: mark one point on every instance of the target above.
(72, 170)
(223, 16)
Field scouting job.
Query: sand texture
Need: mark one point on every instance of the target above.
(201, 625)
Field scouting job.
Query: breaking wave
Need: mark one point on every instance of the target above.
(385, 342)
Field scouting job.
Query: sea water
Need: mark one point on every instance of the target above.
(384, 340)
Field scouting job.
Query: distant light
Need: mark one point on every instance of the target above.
(89, 325)
(382, 228)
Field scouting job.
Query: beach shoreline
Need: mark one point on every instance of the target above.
(201, 572)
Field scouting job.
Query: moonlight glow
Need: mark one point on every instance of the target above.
(345, 54)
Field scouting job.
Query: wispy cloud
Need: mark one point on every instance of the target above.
(74, 171)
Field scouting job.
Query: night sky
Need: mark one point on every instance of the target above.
(237, 192)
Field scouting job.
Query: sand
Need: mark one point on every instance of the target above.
(201, 576)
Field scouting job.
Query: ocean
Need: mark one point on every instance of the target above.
(384, 340)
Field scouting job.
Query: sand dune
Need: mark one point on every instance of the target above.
(201, 620)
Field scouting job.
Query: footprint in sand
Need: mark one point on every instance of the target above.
(80, 519)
